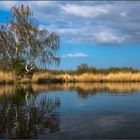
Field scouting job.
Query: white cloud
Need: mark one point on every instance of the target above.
(75, 55)
(42, 3)
(108, 37)
(84, 11)
(67, 31)
(61, 31)
(6, 5)
(123, 14)
(85, 35)
(113, 22)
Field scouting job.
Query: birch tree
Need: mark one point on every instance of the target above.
(22, 39)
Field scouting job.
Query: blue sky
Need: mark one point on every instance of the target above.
(100, 33)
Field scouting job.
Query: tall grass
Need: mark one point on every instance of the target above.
(7, 77)
(91, 77)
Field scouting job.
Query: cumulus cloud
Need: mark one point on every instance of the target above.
(75, 55)
(66, 30)
(6, 5)
(42, 3)
(90, 22)
(84, 11)
(123, 14)
(108, 37)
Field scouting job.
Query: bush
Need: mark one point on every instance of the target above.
(18, 67)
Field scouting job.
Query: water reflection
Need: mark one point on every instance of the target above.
(85, 90)
(89, 88)
(28, 111)
(22, 115)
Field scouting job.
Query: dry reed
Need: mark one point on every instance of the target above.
(90, 77)
(7, 77)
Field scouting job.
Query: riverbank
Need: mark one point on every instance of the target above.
(47, 77)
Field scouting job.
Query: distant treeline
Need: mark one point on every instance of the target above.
(84, 68)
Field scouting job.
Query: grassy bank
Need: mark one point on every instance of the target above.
(88, 77)
(44, 77)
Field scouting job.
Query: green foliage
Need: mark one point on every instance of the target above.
(84, 68)
(18, 67)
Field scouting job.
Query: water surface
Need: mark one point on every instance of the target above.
(72, 110)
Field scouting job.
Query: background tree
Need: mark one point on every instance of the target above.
(83, 68)
(23, 42)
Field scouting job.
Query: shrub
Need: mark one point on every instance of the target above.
(18, 67)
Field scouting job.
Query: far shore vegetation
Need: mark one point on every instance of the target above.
(83, 73)
(24, 48)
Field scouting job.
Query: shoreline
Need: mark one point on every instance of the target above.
(47, 77)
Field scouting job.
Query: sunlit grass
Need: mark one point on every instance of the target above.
(40, 75)
(6, 77)
(91, 77)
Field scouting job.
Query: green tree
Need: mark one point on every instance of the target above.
(21, 40)
(83, 68)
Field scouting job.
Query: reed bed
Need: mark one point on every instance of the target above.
(91, 77)
(40, 75)
(7, 77)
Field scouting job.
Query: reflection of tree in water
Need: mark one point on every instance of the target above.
(84, 90)
(23, 115)
(86, 93)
